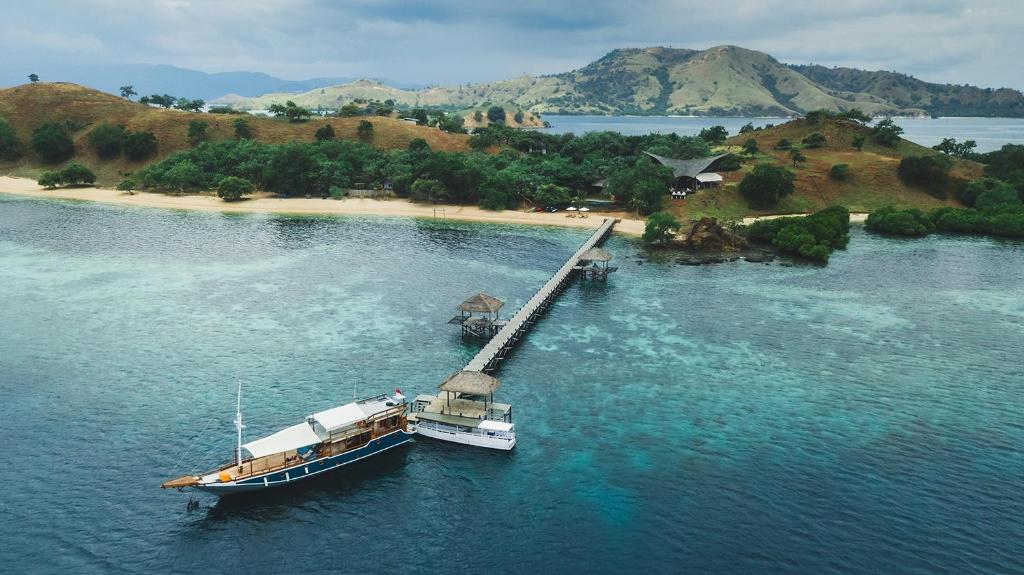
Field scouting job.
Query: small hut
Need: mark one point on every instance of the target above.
(593, 264)
(464, 388)
(484, 325)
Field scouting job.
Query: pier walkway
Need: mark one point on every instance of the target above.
(515, 329)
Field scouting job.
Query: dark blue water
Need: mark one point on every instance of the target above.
(867, 417)
(989, 133)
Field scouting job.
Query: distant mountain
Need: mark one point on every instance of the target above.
(909, 92)
(725, 81)
(182, 82)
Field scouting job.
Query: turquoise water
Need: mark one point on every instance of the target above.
(866, 417)
(989, 133)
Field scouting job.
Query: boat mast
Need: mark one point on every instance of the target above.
(239, 427)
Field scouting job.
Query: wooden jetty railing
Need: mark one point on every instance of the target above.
(510, 335)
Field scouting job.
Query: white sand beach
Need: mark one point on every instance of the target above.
(351, 206)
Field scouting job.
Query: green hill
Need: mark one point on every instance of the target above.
(909, 92)
(725, 80)
(81, 109)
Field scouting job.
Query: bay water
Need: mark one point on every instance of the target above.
(989, 133)
(864, 417)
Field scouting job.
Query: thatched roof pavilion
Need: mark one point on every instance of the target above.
(596, 255)
(470, 383)
(481, 303)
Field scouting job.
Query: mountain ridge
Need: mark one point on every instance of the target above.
(718, 81)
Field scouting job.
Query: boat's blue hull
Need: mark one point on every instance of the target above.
(307, 469)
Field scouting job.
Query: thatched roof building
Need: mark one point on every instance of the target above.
(470, 383)
(481, 303)
(596, 255)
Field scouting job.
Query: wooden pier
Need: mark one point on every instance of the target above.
(515, 329)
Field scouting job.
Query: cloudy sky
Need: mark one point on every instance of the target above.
(458, 41)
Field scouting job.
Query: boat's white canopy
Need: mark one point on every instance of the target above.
(287, 439)
(492, 425)
(338, 417)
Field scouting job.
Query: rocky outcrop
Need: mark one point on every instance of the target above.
(707, 235)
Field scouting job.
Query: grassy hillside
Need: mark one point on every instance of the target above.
(28, 106)
(909, 92)
(873, 181)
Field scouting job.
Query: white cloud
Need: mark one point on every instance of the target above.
(458, 41)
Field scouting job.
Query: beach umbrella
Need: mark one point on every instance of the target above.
(584, 209)
(571, 209)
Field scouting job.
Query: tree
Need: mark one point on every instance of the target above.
(427, 190)
(107, 140)
(814, 141)
(232, 189)
(750, 147)
(243, 131)
(858, 141)
(855, 114)
(765, 185)
(349, 110)
(324, 133)
(197, 132)
(518, 117)
(33, 78)
(128, 91)
(714, 134)
(747, 128)
(290, 110)
(997, 197)
(496, 115)
(783, 144)
(478, 116)
(77, 175)
(840, 172)
(643, 186)
(140, 145)
(184, 176)
(886, 133)
(660, 228)
(930, 172)
(420, 115)
(127, 185)
(953, 148)
(51, 141)
(900, 222)
(50, 180)
(365, 131)
(797, 156)
(968, 194)
(10, 147)
(187, 105)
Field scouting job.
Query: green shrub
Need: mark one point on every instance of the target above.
(840, 172)
(365, 130)
(50, 180)
(107, 140)
(427, 190)
(140, 145)
(197, 132)
(337, 193)
(812, 237)
(73, 175)
(77, 175)
(660, 228)
(324, 133)
(997, 197)
(928, 172)
(232, 189)
(10, 147)
(815, 140)
(900, 222)
(783, 144)
(52, 142)
(127, 185)
(243, 131)
(766, 184)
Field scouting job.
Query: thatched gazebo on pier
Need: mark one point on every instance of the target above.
(462, 386)
(485, 325)
(593, 264)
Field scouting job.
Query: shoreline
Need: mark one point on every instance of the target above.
(315, 206)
